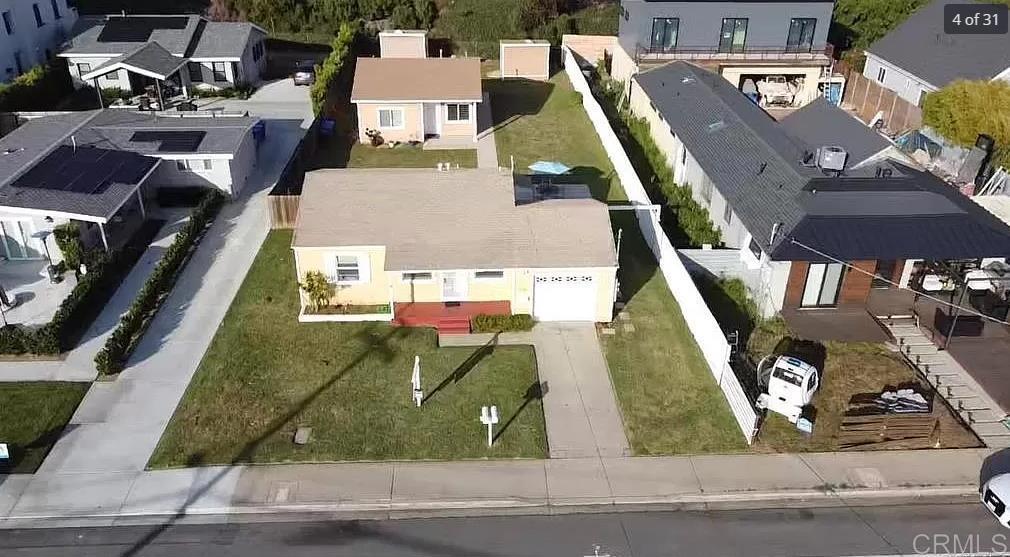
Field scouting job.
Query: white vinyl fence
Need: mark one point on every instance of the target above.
(702, 324)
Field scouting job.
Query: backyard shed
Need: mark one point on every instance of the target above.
(400, 43)
(528, 59)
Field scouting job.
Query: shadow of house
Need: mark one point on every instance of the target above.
(514, 98)
(637, 264)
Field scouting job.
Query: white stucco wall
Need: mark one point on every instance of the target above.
(30, 40)
(242, 165)
(905, 84)
(219, 175)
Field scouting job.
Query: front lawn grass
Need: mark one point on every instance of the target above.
(536, 120)
(265, 375)
(408, 156)
(32, 416)
(670, 402)
(850, 368)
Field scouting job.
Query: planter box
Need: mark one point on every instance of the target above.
(515, 338)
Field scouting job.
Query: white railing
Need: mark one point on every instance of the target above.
(700, 321)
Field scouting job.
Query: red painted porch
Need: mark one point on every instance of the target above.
(447, 317)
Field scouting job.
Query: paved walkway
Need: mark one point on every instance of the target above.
(581, 412)
(410, 488)
(487, 150)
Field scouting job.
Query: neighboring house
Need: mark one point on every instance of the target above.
(132, 52)
(806, 234)
(418, 99)
(440, 245)
(917, 57)
(403, 43)
(524, 59)
(31, 33)
(746, 40)
(97, 167)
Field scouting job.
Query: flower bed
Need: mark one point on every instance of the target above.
(347, 313)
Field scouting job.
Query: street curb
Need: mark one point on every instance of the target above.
(786, 499)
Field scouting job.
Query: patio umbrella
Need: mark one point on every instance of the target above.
(549, 167)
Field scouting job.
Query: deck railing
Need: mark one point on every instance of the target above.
(759, 53)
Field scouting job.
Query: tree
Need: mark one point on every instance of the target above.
(531, 14)
(317, 288)
(404, 17)
(426, 11)
(223, 10)
(858, 23)
(963, 109)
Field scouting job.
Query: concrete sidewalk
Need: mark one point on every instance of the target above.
(487, 149)
(580, 409)
(480, 487)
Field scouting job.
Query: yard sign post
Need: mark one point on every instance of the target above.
(489, 417)
(415, 382)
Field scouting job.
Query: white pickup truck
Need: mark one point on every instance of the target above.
(776, 90)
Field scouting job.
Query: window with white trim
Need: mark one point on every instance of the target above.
(219, 71)
(727, 214)
(346, 269)
(112, 76)
(489, 275)
(457, 112)
(881, 74)
(39, 22)
(416, 277)
(82, 69)
(755, 248)
(391, 118)
(194, 165)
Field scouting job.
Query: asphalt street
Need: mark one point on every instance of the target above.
(836, 532)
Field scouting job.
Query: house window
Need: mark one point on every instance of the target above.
(18, 64)
(727, 214)
(220, 74)
(706, 190)
(56, 9)
(416, 277)
(257, 51)
(683, 156)
(754, 248)
(347, 269)
(391, 118)
(664, 33)
(734, 34)
(195, 72)
(194, 165)
(82, 69)
(8, 22)
(824, 280)
(457, 112)
(38, 15)
(881, 74)
(922, 98)
(112, 76)
(489, 275)
(801, 34)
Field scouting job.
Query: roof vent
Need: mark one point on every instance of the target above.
(687, 79)
(831, 158)
(11, 151)
(716, 126)
(528, 41)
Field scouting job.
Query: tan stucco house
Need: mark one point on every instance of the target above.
(418, 99)
(443, 245)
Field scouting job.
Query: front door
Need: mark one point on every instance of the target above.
(431, 120)
(824, 280)
(454, 286)
(17, 240)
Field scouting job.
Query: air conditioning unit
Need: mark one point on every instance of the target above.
(831, 158)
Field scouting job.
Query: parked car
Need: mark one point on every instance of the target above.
(305, 72)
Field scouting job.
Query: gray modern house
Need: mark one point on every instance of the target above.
(181, 52)
(917, 57)
(742, 40)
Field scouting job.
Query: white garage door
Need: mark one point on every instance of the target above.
(564, 297)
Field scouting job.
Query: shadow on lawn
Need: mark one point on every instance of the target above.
(637, 264)
(536, 391)
(466, 367)
(377, 344)
(512, 99)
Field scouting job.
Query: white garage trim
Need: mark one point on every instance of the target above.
(563, 296)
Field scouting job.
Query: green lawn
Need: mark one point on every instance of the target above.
(670, 402)
(265, 374)
(32, 415)
(545, 121)
(407, 156)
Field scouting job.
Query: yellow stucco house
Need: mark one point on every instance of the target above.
(433, 100)
(438, 247)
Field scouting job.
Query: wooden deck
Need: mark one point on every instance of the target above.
(447, 317)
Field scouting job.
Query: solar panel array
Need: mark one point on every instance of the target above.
(137, 29)
(178, 141)
(86, 170)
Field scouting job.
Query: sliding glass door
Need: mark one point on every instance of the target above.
(734, 35)
(824, 281)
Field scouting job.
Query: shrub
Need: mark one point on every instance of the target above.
(112, 357)
(328, 72)
(68, 239)
(485, 323)
(40, 88)
(317, 288)
(963, 109)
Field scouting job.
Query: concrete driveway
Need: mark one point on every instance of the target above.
(280, 99)
(580, 408)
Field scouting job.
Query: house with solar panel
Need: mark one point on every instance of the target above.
(102, 170)
(819, 215)
(179, 52)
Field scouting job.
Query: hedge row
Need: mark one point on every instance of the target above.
(112, 357)
(80, 308)
(485, 323)
(40, 88)
(327, 72)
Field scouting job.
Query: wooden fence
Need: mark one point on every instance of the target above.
(283, 210)
(868, 97)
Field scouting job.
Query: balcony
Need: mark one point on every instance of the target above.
(820, 54)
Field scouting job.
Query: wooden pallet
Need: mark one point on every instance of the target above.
(889, 431)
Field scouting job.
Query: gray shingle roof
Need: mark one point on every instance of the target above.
(220, 39)
(463, 219)
(113, 128)
(175, 41)
(920, 47)
(821, 123)
(756, 166)
(151, 57)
